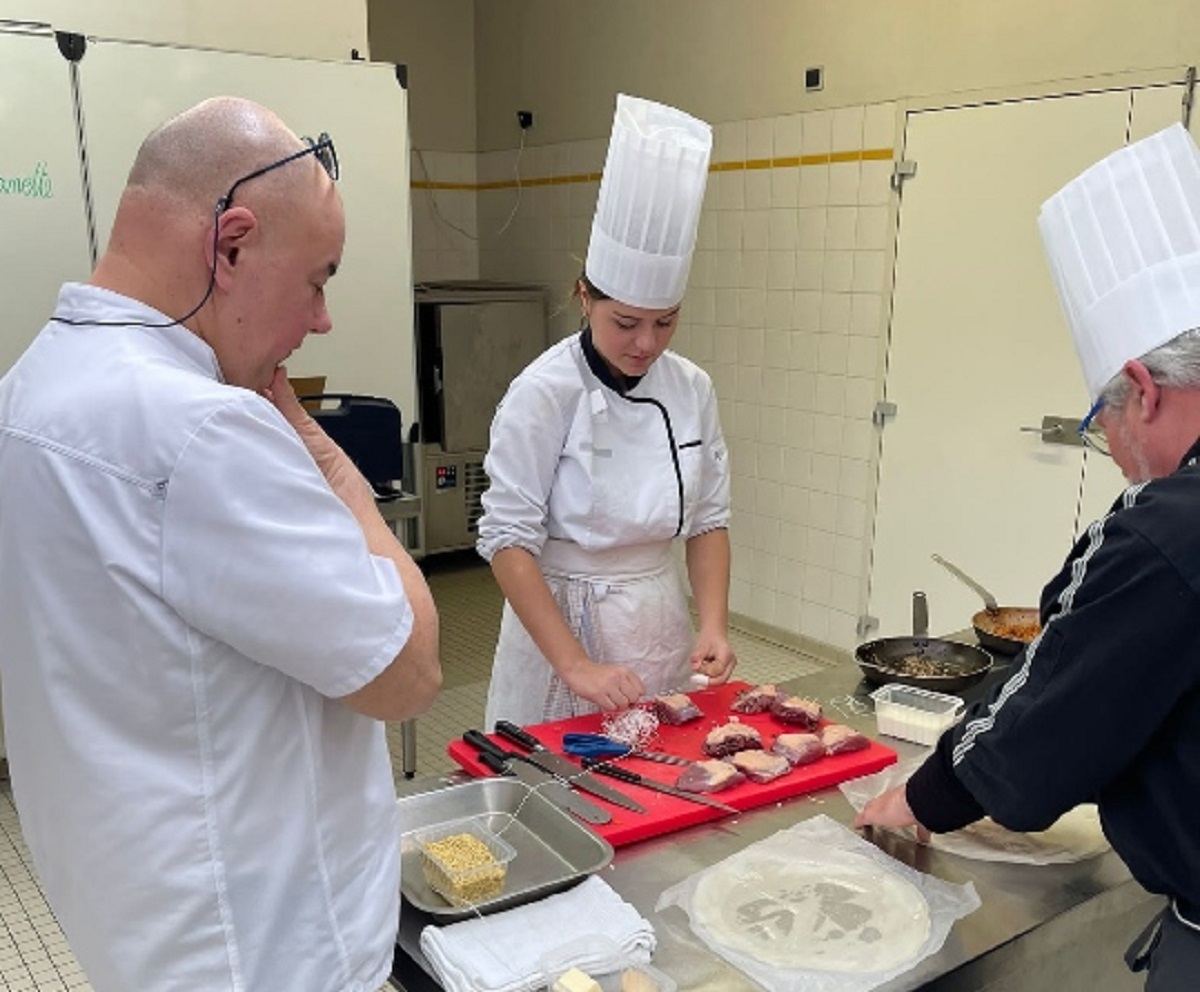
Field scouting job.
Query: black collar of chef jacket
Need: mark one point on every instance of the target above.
(1193, 453)
(620, 384)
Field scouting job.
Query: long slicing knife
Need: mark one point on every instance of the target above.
(633, 778)
(510, 763)
(562, 768)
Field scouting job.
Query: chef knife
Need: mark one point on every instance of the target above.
(563, 768)
(633, 778)
(510, 763)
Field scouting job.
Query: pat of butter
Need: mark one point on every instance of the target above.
(575, 981)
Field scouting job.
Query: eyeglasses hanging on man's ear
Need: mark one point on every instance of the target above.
(321, 149)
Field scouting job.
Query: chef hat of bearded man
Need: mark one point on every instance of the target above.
(648, 210)
(1123, 240)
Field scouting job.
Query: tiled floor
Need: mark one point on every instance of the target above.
(33, 952)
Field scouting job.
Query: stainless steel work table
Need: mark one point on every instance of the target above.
(1059, 928)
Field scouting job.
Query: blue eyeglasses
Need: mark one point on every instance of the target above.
(1092, 434)
(321, 149)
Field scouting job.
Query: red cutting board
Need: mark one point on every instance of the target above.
(667, 813)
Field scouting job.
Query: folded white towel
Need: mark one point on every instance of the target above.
(502, 952)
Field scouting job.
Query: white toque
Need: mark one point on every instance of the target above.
(1123, 241)
(648, 209)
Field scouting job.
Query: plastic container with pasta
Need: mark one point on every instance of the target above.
(464, 861)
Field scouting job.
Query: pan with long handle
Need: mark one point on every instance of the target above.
(922, 661)
(1006, 629)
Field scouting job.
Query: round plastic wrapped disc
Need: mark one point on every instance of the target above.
(853, 916)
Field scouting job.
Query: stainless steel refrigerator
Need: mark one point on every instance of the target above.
(472, 340)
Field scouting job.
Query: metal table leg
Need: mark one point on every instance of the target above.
(408, 746)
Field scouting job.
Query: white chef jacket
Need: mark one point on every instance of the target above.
(596, 484)
(180, 595)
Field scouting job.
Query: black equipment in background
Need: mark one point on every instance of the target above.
(368, 429)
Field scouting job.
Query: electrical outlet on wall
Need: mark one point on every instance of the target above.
(525, 119)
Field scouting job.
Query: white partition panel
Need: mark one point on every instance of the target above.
(129, 88)
(43, 231)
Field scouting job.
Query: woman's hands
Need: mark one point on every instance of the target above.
(611, 687)
(712, 657)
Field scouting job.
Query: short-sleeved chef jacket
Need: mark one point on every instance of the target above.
(181, 594)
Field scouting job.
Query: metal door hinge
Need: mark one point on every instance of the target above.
(883, 410)
(902, 170)
(865, 625)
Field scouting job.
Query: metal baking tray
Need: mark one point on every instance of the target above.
(554, 850)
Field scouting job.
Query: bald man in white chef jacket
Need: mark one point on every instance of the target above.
(205, 618)
(604, 451)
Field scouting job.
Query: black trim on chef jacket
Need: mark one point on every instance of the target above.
(620, 384)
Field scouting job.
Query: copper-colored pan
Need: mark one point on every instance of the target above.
(1007, 629)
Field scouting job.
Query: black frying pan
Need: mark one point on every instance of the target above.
(922, 661)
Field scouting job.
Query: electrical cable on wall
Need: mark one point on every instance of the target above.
(442, 217)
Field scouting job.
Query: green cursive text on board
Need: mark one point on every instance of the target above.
(38, 186)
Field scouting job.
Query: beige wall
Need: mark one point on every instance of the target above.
(301, 28)
(787, 307)
(728, 60)
(436, 40)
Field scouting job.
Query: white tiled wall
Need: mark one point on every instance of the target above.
(785, 309)
(445, 231)
(546, 239)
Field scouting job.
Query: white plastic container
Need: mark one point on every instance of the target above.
(913, 714)
(602, 960)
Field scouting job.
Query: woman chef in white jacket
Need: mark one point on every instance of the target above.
(607, 448)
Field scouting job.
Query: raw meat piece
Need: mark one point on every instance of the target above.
(799, 749)
(709, 776)
(759, 766)
(756, 699)
(839, 739)
(798, 710)
(729, 738)
(676, 708)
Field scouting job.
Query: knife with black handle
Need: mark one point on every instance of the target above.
(562, 768)
(510, 763)
(601, 767)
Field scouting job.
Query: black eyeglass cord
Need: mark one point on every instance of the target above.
(212, 281)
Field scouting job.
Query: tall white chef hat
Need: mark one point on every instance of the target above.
(1123, 241)
(648, 209)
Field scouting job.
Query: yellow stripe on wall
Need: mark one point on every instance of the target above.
(789, 162)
